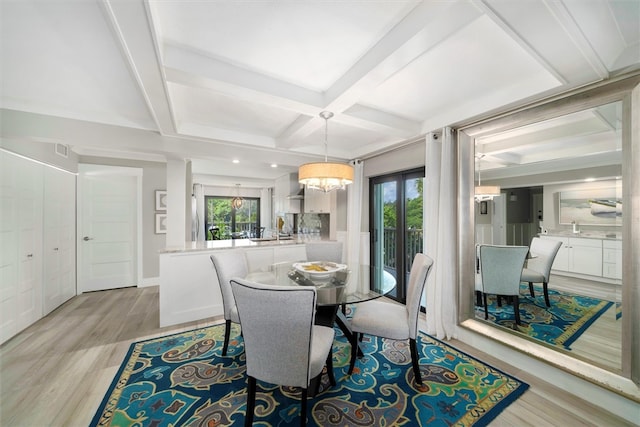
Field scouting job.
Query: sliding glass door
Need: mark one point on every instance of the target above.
(396, 226)
(226, 221)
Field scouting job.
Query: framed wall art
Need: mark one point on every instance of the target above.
(161, 200)
(161, 223)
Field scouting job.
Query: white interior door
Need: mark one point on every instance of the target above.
(59, 252)
(499, 220)
(108, 233)
(21, 244)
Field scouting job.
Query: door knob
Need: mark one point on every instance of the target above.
(87, 238)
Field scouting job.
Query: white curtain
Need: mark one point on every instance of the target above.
(354, 213)
(440, 233)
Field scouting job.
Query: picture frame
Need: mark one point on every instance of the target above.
(161, 223)
(161, 200)
(483, 208)
(599, 206)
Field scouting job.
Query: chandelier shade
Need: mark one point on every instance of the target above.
(325, 176)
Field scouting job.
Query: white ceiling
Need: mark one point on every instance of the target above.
(217, 80)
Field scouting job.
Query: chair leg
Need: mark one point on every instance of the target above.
(303, 410)
(251, 402)
(486, 310)
(545, 288)
(332, 378)
(516, 308)
(414, 359)
(531, 290)
(227, 333)
(479, 298)
(354, 352)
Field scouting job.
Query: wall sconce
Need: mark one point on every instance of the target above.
(513, 197)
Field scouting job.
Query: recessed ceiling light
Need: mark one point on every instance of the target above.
(273, 165)
(589, 179)
(236, 161)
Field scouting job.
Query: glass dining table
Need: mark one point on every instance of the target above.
(336, 285)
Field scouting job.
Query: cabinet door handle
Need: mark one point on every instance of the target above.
(55, 249)
(29, 255)
(87, 238)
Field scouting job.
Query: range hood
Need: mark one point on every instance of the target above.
(299, 195)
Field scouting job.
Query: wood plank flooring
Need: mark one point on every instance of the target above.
(56, 372)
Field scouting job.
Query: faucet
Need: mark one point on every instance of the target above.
(575, 227)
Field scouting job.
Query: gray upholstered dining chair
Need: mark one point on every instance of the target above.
(500, 270)
(395, 321)
(229, 264)
(282, 344)
(324, 251)
(538, 269)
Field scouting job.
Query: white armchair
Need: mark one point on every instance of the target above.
(538, 268)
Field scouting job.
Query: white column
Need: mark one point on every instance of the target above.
(176, 196)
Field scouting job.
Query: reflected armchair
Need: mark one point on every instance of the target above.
(282, 344)
(538, 268)
(500, 270)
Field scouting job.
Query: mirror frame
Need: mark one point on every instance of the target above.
(627, 90)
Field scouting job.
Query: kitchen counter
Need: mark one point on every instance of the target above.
(602, 235)
(232, 244)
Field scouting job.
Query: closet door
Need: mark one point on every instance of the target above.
(59, 238)
(21, 247)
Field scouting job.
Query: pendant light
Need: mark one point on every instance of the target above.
(325, 176)
(236, 202)
(484, 192)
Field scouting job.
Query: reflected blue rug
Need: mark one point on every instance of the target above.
(560, 325)
(182, 380)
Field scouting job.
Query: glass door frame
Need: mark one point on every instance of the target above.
(402, 264)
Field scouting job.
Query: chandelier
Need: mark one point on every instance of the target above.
(236, 202)
(326, 176)
(484, 192)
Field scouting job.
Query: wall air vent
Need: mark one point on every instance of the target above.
(62, 150)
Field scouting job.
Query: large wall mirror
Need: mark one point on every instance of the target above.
(565, 177)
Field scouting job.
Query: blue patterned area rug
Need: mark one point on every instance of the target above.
(182, 380)
(561, 324)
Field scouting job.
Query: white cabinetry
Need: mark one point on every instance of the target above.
(37, 215)
(318, 201)
(612, 259)
(285, 186)
(587, 256)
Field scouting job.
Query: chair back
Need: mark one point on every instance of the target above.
(277, 324)
(324, 251)
(229, 264)
(545, 251)
(501, 267)
(420, 270)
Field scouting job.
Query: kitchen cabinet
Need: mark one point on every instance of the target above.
(318, 201)
(285, 187)
(612, 259)
(578, 255)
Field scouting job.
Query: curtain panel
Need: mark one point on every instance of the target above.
(440, 235)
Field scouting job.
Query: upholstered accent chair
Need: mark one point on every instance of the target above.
(500, 270)
(395, 321)
(283, 346)
(324, 251)
(229, 264)
(538, 269)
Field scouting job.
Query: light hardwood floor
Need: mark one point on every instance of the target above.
(56, 372)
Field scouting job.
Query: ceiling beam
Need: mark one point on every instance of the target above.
(132, 26)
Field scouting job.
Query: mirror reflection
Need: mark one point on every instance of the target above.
(560, 195)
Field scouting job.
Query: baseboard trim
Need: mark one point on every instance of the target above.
(149, 281)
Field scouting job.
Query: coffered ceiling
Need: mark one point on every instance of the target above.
(218, 80)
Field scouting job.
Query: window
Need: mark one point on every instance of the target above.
(223, 221)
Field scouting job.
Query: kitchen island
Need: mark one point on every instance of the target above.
(189, 288)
